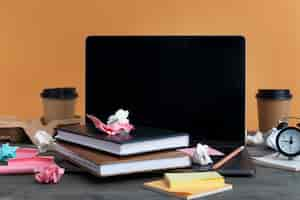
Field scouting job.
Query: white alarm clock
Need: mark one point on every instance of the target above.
(288, 142)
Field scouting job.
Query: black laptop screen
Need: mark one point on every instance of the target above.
(193, 84)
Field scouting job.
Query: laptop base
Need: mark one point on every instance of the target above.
(241, 166)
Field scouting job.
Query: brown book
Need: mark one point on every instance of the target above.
(103, 164)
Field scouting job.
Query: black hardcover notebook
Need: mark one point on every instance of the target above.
(140, 140)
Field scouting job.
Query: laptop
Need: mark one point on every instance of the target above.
(193, 84)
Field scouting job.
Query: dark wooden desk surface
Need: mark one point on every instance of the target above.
(269, 184)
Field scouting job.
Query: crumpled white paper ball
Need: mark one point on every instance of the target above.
(201, 155)
(120, 116)
(271, 139)
(255, 139)
(43, 140)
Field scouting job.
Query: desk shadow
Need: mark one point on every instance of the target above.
(140, 177)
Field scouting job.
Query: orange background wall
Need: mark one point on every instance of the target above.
(42, 42)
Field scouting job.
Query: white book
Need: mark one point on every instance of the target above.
(278, 161)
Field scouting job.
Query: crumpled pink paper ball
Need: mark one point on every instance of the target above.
(49, 174)
(113, 128)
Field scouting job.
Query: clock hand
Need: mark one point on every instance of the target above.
(291, 140)
(291, 143)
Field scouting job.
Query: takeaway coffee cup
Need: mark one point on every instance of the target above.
(272, 105)
(58, 103)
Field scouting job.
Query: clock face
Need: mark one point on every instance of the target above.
(288, 141)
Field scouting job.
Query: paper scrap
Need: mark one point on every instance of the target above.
(116, 124)
(211, 151)
(27, 161)
(43, 140)
(26, 152)
(50, 174)
(7, 152)
(26, 165)
(201, 156)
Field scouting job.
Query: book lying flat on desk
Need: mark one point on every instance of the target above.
(102, 164)
(280, 162)
(140, 140)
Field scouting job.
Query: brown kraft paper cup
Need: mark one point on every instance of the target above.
(58, 103)
(272, 105)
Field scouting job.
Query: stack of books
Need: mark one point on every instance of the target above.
(189, 185)
(144, 149)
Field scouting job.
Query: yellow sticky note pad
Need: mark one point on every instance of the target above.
(175, 181)
(185, 193)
